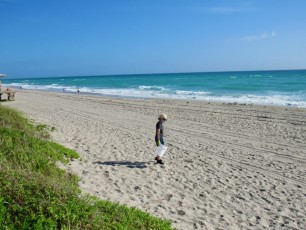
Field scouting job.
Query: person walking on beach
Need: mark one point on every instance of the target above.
(159, 135)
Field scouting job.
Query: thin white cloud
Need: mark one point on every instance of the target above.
(223, 10)
(259, 37)
(229, 10)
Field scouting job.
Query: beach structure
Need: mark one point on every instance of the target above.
(1, 75)
(10, 94)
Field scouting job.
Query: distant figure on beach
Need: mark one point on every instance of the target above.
(78, 91)
(159, 136)
(63, 90)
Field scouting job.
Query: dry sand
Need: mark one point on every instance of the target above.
(227, 167)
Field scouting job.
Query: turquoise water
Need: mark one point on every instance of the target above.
(287, 88)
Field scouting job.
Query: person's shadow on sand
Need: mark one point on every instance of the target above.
(128, 164)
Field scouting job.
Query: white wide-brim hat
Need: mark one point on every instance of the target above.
(163, 116)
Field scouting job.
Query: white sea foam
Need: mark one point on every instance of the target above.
(148, 87)
(79, 79)
(279, 100)
(161, 92)
(190, 93)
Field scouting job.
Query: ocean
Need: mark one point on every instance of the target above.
(283, 88)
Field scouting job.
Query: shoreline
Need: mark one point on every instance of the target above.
(196, 100)
(228, 165)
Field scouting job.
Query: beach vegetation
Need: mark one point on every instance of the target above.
(36, 194)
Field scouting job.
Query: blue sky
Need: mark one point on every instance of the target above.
(100, 37)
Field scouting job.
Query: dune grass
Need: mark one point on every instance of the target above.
(36, 194)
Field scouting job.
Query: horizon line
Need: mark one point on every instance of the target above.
(169, 73)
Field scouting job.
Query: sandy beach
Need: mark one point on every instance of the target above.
(228, 166)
